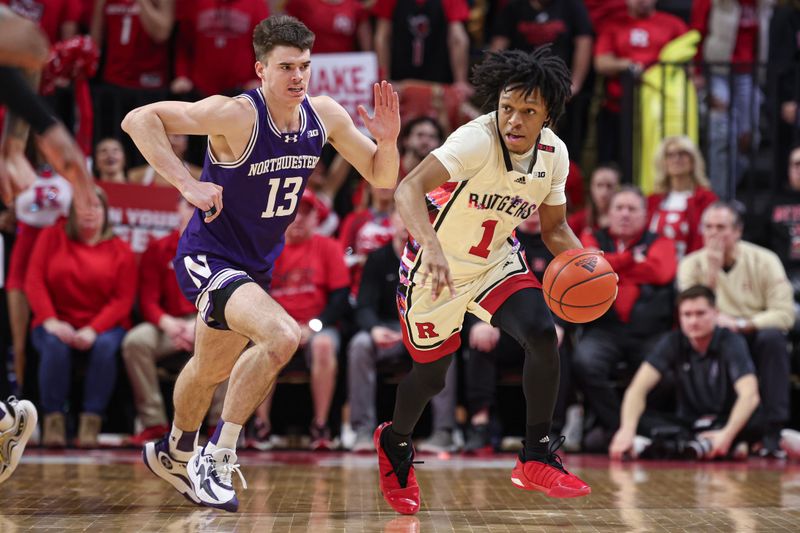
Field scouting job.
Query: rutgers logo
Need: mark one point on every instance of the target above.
(589, 263)
(425, 330)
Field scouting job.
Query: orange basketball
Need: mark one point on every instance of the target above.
(579, 285)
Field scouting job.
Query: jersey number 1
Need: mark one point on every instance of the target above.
(289, 196)
(482, 248)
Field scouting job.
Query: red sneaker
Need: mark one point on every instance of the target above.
(148, 434)
(398, 485)
(550, 477)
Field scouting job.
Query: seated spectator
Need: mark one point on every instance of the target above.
(214, 46)
(629, 46)
(168, 329)
(783, 226)
(81, 283)
(38, 207)
(682, 194)
(338, 25)
(147, 175)
(717, 390)
(379, 343)
(310, 281)
(641, 314)
(754, 298)
(109, 161)
(418, 138)
(365, 230)
(602, 185)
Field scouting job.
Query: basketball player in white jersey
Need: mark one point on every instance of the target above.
(461, 205)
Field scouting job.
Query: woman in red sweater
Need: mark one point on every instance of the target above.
(682, 194)
(81, 283)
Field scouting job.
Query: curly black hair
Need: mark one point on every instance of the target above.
(515, 69)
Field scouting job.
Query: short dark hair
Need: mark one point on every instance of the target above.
(694, 292)
(734, 207)
(414, 122)
(631, 189)
(518, 70)
(609, 165)
(280, 30)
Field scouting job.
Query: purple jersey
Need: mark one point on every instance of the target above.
(261, 192)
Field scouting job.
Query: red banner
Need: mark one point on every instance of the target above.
(139, 213)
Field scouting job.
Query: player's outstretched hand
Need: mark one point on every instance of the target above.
(434, 265)
(384, 126)
(205, 196)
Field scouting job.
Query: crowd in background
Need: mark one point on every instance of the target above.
(94, 334)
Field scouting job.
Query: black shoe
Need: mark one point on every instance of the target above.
(479, 439)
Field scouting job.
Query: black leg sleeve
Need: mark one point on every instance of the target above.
(415, 391)
(527, 319)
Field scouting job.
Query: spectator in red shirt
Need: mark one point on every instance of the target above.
(737, 32)
(109, 161)
(339, 25)
(81, 282)
(168, 329)
(311, 282)
(629, 46)
(423, 40)
(214, 52)
(132, 36)
(602, 186)
(646, 265)
(681, 196)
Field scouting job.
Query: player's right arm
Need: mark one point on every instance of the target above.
(227, 121)
(633, 405)
(410, 200)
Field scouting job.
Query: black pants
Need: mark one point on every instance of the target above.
(598, 354)
(525, 317)
(768, 348)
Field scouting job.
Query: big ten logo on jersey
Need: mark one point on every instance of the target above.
(425, 330)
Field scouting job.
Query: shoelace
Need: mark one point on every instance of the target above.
(553, 458)
(224, 471)
(402, 470)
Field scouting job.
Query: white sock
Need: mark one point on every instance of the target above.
(7, 420)
(228, 435)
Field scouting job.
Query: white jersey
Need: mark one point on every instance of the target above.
(489, 193)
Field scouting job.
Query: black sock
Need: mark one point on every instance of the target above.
(396, 446)
(537, 441)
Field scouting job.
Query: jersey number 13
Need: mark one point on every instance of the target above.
(289, 188)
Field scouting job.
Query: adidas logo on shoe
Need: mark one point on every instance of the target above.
(545, 439)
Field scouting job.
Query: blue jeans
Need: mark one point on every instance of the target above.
(55, 370)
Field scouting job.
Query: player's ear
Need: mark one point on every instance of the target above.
(260, 70)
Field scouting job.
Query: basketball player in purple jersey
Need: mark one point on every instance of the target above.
(262, 147)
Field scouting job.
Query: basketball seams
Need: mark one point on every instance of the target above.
(545, 284)
(599, 276)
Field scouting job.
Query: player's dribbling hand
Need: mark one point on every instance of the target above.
(434, 265)
(621, 444)
(205, 196)
(384, 126)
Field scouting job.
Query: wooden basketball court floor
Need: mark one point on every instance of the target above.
(299, 491)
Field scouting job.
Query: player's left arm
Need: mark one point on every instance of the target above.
(556, 233)
(378, 162)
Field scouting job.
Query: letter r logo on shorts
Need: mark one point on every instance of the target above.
(425, 330)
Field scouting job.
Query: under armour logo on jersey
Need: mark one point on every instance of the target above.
(290, 138)
(521, 180)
